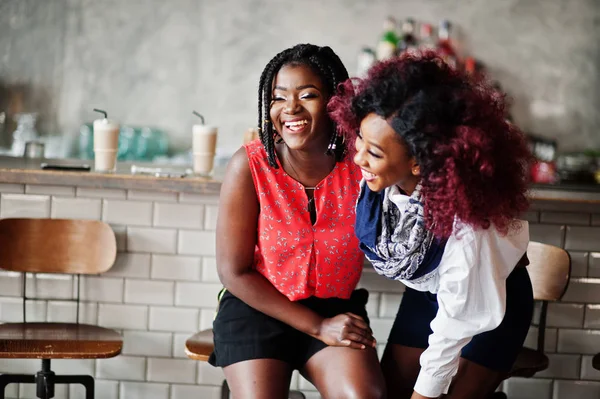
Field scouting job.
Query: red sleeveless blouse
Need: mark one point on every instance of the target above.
(301, 259)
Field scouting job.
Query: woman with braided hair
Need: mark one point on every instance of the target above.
(286, 250)
(444, 182)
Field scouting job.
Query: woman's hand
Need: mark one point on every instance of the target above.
(346, 329)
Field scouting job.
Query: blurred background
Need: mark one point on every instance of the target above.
(149, 63)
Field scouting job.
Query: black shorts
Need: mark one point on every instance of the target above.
(496, 349)
(243, 333)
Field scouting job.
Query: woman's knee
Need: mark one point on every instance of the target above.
(259, 378)
(359, 391)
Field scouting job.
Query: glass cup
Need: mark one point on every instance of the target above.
(204, 145)
(203, 163)
(106, 145)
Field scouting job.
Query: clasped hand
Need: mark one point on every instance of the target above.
(347, 329)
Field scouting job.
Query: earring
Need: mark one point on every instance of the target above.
(277, 137)
(333, 145)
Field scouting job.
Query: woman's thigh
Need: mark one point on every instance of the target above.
(340, 372)
(400, 365)
(474, 381)
(259, 379)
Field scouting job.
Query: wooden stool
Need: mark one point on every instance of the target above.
(55, 246)
(200, 346)
(549, 270)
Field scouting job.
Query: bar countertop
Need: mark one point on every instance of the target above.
(28, 171)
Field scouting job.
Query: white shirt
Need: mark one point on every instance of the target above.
(471, 292)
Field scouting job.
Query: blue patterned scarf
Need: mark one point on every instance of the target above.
(395, 242)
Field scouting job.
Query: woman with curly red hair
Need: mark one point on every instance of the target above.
(444, 182)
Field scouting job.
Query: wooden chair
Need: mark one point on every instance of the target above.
(55, 246)
(549, 270)
(200, 346)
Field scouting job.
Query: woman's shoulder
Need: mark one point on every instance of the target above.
(477, 244)
(254, 149)
(238, 164)
(516, 234)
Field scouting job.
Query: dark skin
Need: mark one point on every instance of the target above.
(348, 367)
(386, 160)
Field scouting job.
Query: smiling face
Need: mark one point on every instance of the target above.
(383, 157)
(299, 108)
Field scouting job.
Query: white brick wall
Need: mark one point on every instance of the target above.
(147, 343)
(164, 283)
(23, 205)
(132, 213)
(130, 264)
(174, 319)
(149, 292)
(175, 267)
(185, 216)
(195, 391)
(122, 367)
(76, 208)
(144, 390)
(133, 317)
(172, 370)
(162, 241)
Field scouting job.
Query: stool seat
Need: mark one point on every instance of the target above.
(529, 361)
(58, 341)
(596, 362)
(200, 345)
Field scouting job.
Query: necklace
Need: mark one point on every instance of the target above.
(311, 198)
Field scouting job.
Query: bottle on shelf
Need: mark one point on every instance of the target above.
(470, 66)
(366, 58)
(445, 47)
(24, 132)
(408, 41)
(427, 41)
(388, 43)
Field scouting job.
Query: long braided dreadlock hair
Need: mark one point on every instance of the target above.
(326, 64)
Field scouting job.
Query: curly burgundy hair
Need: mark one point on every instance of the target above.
(473, 163)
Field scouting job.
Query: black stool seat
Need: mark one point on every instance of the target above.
(596, 362)
(529, 362)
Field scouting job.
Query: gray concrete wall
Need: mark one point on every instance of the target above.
(150, 62)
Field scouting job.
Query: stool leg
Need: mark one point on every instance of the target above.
(86, 380)
(225, 393)
(6, 379)
(3, 383)
(88, 383)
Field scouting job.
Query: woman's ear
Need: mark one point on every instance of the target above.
(416, 170)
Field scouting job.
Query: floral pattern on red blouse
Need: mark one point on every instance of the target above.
(301, 259)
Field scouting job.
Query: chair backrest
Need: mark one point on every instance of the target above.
(549, 270)
(56, 246)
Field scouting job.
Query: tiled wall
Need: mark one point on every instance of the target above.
(164, 284)
(162, 288)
